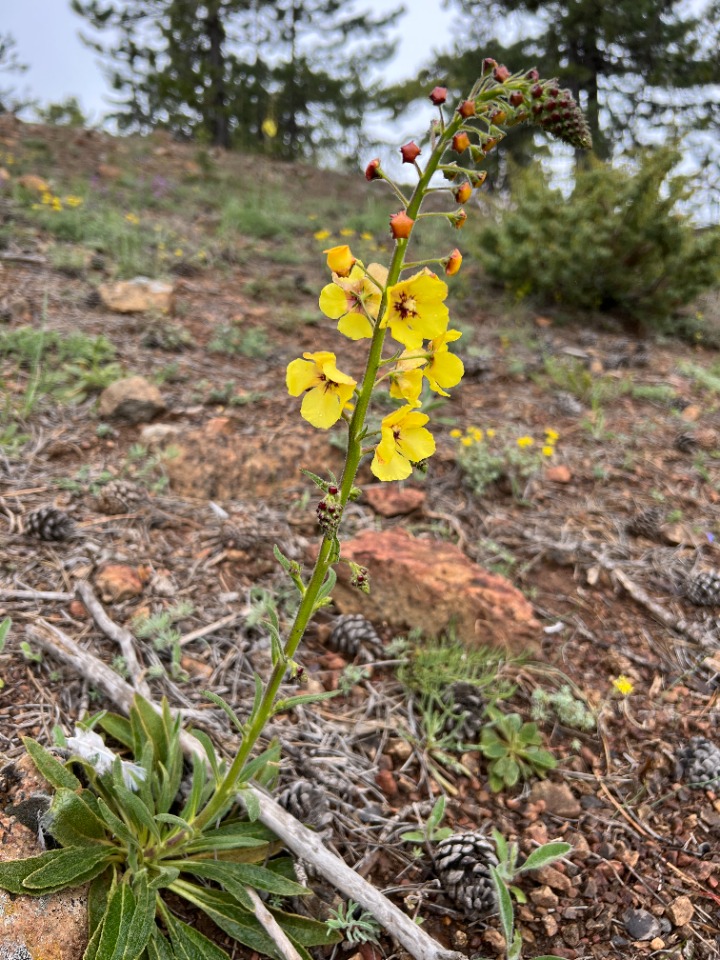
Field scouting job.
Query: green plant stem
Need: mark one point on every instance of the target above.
(327, 553)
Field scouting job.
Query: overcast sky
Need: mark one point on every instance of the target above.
(60, 65)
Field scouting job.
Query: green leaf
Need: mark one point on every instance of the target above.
(188, 944)
(209, 748)
(141, 819)
(198, 782)
(142, 922)
(116, 922)
(158, 948)
(118, 728)
(254, 769)
(71, 867)
(227, 709)
(98, 895)
(222, 873)
(545, 855)
(75, 819)
(318, 481)
(413, 837)
(518, 894)
(4, 631)
(117, 826)
(436, 814)
(148, 726)
(282, 559)
(245, 874)
(290, 702)
(501, 847)
(56, 773)
(251, 803)
(327, 587)
(505, 907)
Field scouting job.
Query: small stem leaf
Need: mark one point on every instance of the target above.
(209, 748)
(290, 702)
(255, 769)
(56, 773)
(436, 815)
(251, 803)
(328, 586)
(158, 948)
(505, 907)
(226, 708)
(318, 481)
(118, 727)
(545, 855)
(501, 846)
(282, 559)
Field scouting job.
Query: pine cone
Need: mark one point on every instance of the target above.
(352, 635)
(467, 706)
(119, 496)
(699, 764)
(49, 523)
(685, 442)
(646, 523)
(307, 803)
(704, 589)
(462, 863)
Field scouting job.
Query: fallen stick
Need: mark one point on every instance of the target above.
(122, 637)
(296, 837)
(36, 595)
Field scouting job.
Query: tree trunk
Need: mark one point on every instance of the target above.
(217, 116)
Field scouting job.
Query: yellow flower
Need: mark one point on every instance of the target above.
(269, 127)
(47, 198)
(548, 451)
(623, 685)
(347, 232)
(355, 300)
(456, 434)
(178, 251)
(366, 235)
(340, 260)
(406, 377)
(490, 433)
(57, 203)
(415, 309)
(328, 390)
(73, 201)
(321, 234)
(524, 442)
(132, 218)
(444, 369)
(551, 435)
(476, 434)
(404, 441)
(467, 441)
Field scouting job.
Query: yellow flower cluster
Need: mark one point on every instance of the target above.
(414, 313)
(48, 199)
(551, 438)
(345, 232)
(623, 685)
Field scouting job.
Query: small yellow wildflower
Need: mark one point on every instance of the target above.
(456, 434)
(57, 204)
(327, 390)
(73, 201)
(355, 300)
(404, 441)
(178, 252)
(524, 442)
(132, 218)
(202, 255)
(467, 441)
(161, 246)
(623, 685)
(444, 369)
(340, 259)
(347, 232)
(476, 434)
(322, 234)
(415, 309)
(47, 198)
(269, 127)
(490, 433)
(548, 451)
(365, 235)
(36, 206)
(551, 435)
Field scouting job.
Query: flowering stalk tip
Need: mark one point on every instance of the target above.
(401, 225)
(438, 95)
(410, 152)
(373, 171)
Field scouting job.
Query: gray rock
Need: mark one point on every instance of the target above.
(133, 399)
(641, 925)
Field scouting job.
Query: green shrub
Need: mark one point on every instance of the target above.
(618, 243)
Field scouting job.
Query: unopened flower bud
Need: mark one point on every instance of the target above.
(516, 98)
(501, 73)
(463, 193)
(458, 219)
(532, 75)
(438, 95)
(537, 91)
(453, 263)
(460, 142)
(498, 117)
(401, 225)
(478, 179)
(476, 153)
(332, 490)
(340, 260)
(489, 144)
(359, 577)
(372, 170)
(488, 64)
(410, 152)
(467, 109)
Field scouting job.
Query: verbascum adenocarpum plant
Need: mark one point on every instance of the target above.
(127, 827)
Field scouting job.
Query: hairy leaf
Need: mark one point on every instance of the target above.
(49, 767)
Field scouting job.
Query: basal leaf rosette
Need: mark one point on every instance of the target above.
(405, 441)
(327, 390)
(355, 299)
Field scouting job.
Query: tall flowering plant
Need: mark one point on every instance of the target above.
(126, 827)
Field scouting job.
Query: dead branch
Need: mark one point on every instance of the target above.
(299, 839)
(272, 927)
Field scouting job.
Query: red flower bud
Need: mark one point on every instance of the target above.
(489, 144)
(532, 75)
(498, 117)
(537, 91)
(460, 142)
(463, 193)
(553, 92)
(438, 95)
(401, 225)
(452, 263)
(458, 219)
(488, 64)
(516, 98)
(372, 170)
(478, 179)
(467, 109)
(410, 152)
(501, 73)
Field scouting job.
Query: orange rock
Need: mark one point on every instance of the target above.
(691, 413)
(117, 582)
(558, 473)
(106, 171)
(217, 425)
(137, 295)
(33, 183)
(77, 610)
(385, 779)
(389, 500)
(432, 585)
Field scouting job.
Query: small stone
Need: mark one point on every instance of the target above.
(641, 925)
(390, 501)
(137, 295)
(77, 610)
(550, 925)
(217, 425)
(557, 797)
(33, 183)
(657, 944)
(558, 473)
(495, 940)
(691, 413)
(387, 783)
(118, 582)
(399, 750)
(155, 434)
(680, 911)
(133, 399)
(554, 878)
(544, 897)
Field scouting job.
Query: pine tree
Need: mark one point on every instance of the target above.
(9, 63)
